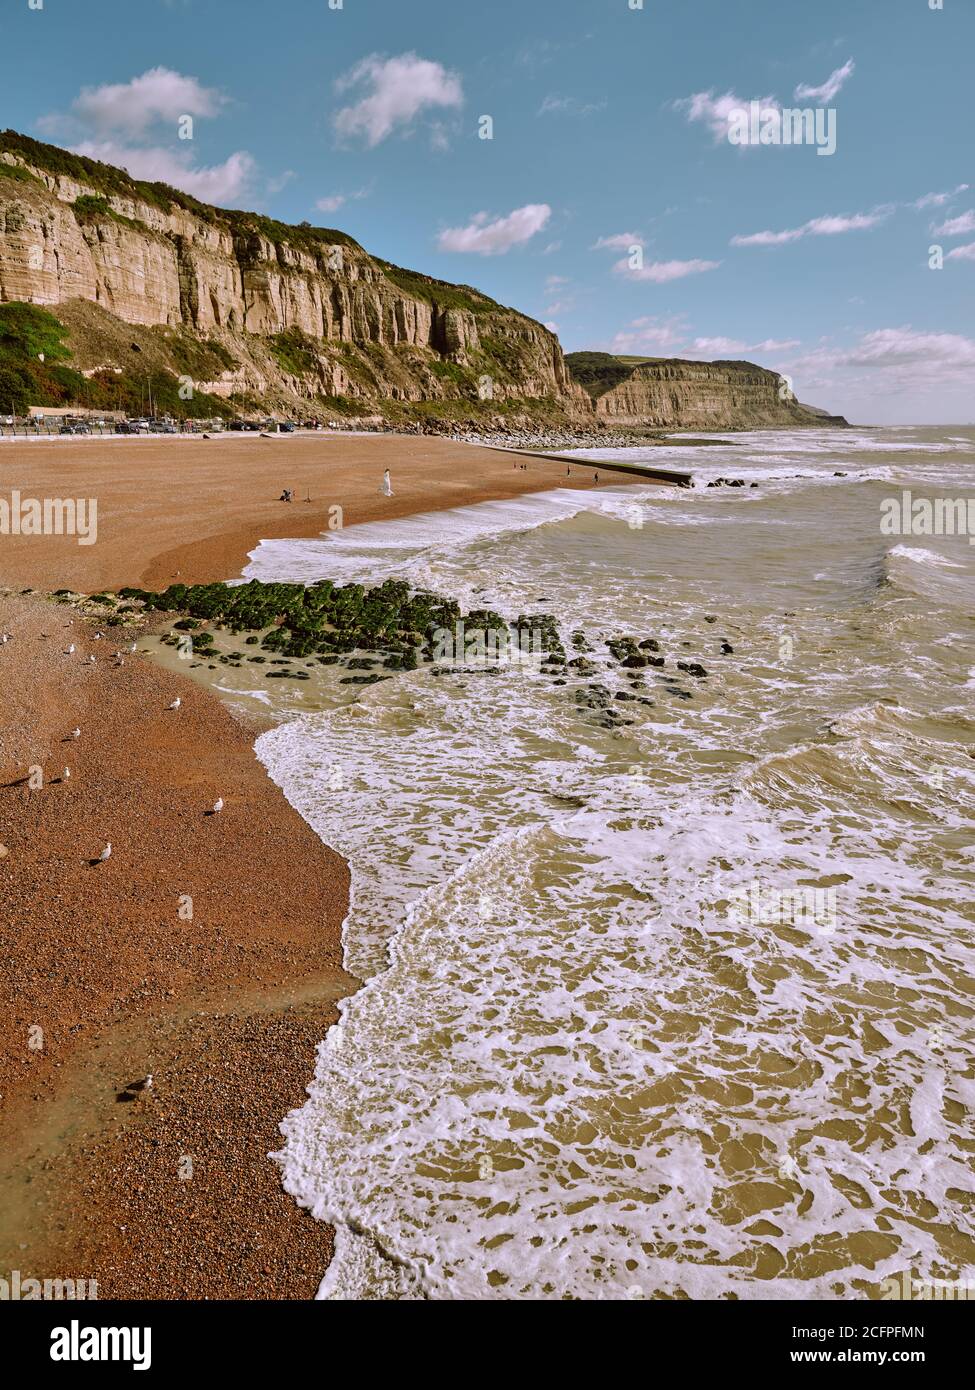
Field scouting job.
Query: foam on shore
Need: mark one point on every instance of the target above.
(575, 1069)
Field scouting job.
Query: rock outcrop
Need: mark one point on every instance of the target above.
(676, 394)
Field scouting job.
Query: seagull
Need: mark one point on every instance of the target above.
(106, 853)
(65, 774)
(76, 733)
(70, 651)
(175, 704)
(218, 805)
(91, 660)
(132, 648)
(99, 636)
(4, 637)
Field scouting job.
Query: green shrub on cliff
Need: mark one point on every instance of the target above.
(34, 370)
(295, 352)
(17, 173)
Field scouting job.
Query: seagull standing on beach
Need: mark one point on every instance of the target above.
(132, 648)
(175, 704)
(4, 637)
(70, 651)
(76, 733)
(106, 853)
(65, 774)
(91, 661)
(218, 805)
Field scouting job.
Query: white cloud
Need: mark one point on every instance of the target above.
(670, 337)
(334, 201)
(620, 241)
(962, 253)
(717, 111)
(831, 87)
(111, 123)
(551, 248)
(554, 282)
(957, 226)
(157, 95)
(397, 91)
(219, 183)
(903, 356)
(281, 181)
(774, 345)
(768, 238)
(569, 106)
(817, 226)
(661, 272)
(484, 237)
(650, 335)
(937, 200)
(727, 347)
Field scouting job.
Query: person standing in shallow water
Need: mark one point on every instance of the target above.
(387, 487)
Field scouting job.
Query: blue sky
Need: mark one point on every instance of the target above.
(610, 131)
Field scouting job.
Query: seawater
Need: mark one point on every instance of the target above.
(577, 1068)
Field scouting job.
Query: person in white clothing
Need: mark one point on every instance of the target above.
(387, 487)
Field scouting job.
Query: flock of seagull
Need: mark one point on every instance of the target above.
(106, 853)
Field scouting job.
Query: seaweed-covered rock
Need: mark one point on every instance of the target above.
(583, 666)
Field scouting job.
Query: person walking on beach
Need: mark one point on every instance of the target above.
(387, 487)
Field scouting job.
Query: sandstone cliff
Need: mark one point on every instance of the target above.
(275, 317)
(676, 394)
(305, 312)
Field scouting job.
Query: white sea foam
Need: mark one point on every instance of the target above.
(573, 1070)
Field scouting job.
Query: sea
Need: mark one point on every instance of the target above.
(676, 1003)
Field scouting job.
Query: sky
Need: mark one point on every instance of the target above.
(581, 160)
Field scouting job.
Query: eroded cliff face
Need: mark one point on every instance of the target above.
(224, 279)
(304, 314)
(681, 394)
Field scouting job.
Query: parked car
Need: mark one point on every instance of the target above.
(286, 427)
